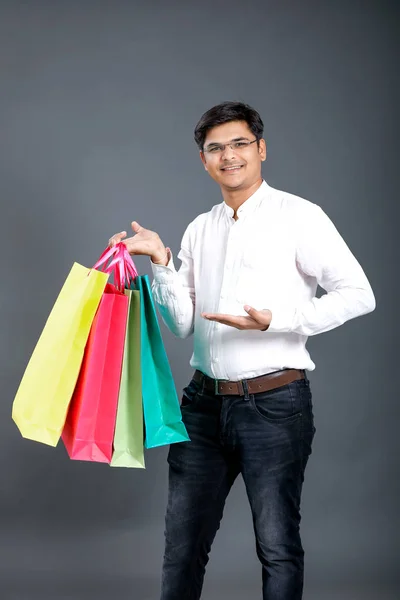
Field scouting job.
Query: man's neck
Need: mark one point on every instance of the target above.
(235, 198)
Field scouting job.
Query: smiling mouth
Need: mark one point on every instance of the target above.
(232, 168)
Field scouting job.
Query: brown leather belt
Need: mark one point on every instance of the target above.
(263, 383)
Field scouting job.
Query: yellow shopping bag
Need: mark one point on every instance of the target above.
(41, 404)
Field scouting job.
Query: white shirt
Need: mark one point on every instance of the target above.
(274, 256)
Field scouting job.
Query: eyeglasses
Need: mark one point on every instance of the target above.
(219, 148)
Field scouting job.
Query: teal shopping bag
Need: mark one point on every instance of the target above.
(162, 413)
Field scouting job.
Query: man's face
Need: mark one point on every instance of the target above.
(236, 167)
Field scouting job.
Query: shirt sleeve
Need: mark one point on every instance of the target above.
(322, 253)
(173, 291)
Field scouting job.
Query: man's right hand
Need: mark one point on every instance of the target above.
(144, 242)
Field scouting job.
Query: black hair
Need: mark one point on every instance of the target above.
(224, 113)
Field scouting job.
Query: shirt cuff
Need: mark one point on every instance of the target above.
(282, 320)
(163, 273)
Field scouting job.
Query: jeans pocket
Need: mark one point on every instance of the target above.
(281, 405)
(307, 403)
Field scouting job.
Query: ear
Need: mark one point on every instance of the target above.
(262, 149)
(203, 159)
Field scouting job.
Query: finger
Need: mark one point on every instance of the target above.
(210, 316)
(231, 320)
(218, 319)
(116, 239)
(219, 316)
(129, 244)
(251, 311)
(136, 227)
(260, 316)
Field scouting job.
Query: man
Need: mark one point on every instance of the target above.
(246, 289)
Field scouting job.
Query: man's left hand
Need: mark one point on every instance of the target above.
(257, 319)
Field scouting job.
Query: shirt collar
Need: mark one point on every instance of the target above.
(251, 204)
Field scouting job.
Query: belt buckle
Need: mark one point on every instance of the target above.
(216, 381)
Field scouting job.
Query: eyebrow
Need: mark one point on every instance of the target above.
(237, 139)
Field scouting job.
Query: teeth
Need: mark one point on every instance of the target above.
(231, 168)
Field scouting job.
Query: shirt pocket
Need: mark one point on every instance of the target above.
(253, 278)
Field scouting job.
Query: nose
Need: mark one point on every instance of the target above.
(227, 153)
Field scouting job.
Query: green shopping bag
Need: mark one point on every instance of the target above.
(128, 436)
(162, 413)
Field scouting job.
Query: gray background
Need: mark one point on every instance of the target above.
(97, 108)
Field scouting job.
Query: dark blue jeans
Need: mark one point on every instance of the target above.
(267, 438)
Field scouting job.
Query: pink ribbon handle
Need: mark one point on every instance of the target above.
(121, 265)
(106, 254)
(130, 268)
(116, 267)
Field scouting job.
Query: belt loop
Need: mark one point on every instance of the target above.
(203, 383)
(246, 390)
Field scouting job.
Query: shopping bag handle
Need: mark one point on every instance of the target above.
(121, 265)
(105, 255)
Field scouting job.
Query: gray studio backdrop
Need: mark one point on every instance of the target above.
(97, 108)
